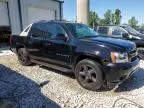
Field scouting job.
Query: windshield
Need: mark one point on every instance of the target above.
(131, 30)
(81, 31)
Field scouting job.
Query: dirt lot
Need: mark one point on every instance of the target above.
(40, 87)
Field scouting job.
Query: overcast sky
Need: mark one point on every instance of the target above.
(129, 8)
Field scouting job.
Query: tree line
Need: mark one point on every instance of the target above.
(112, 18)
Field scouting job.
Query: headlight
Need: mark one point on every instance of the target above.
(119, 57)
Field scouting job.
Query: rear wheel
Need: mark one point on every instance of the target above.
(23, 57)
(141, 52)
(89, 74)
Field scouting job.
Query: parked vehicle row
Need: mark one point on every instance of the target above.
(124, 32)
(95, 60)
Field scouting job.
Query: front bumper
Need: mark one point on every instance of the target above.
(116, 73)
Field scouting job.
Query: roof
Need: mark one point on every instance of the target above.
(55, 21)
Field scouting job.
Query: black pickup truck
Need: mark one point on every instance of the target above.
(66, 46)
(124, 32)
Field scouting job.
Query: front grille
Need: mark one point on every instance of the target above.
(132, 55)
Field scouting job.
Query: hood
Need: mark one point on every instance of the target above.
(124, 44)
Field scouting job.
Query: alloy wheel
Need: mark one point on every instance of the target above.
(87, 75)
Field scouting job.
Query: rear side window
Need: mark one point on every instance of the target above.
(37, 31)
(27, 29)
(52, 30)
(47, 30)
(103, 30)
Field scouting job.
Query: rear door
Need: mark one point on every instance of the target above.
(56, 50)
(35, 41)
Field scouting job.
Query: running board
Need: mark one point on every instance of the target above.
(63, 69)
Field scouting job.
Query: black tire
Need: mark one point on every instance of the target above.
(90, 77)
(141, 52)
(23, 57)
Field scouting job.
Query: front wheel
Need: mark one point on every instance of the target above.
(89, 74)
(23, 57)
(141, 52)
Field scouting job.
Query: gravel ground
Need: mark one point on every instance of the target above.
(40, 87)
(4, 50)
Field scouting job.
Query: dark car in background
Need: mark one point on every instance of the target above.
(124, 32)
(142, 31)
(95, 60)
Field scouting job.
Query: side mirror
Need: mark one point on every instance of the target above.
(125, 35)
(61, 37)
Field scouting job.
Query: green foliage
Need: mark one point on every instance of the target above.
(111, 18)
(133, 22)
(93, 19)
(117, 17)
(108, 17)
(102, 22)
